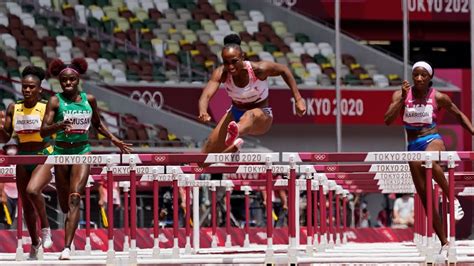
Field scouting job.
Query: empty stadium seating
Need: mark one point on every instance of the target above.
(188, 34)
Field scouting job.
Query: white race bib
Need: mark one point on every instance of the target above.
(25, 124)
(418, 114)
(80, 122)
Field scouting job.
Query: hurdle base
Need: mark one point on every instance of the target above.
(452, 253)
(175, 253)
(430, 251)
(19, 256)
(423, 245)
(228, 242)
(187, 247)
(269, 253)
(246, 241)
(73, 249)
(338, 239)
(87, 247)
(40, 255)
(132, 253)
(309, 246)
(323, 243)
(315, 242)
(214, 241)
(126, 245)
(344, 238)
(330, 243)
(156, 248)
(292, 251)
(110, 256)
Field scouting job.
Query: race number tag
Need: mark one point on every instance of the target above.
(80, 121)
(25, 124)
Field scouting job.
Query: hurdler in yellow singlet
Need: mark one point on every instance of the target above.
(27, 121)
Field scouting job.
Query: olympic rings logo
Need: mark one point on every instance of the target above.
(155, 100)
(348, 182)
(342, 176)
(319, 157)
(331, 168)
(159, 158)
(288, 3)
(469, 177)
(198, 169)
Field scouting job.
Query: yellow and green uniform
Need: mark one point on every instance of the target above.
(80, 115)
(26, 123)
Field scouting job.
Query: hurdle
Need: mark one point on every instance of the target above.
(333, 185)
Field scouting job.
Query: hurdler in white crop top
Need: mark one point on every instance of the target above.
(255, 91)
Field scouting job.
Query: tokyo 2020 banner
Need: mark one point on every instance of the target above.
(362, 107)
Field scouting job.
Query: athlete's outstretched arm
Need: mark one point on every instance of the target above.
(444, 101)
(102, 128)
(270, 69)
(48, 127)
(208, 92)
(398, 101)
(6, 128)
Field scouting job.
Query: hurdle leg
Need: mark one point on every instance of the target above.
(292, 248)
(175, 217)
(19, 256)
(309, 215)
(247, 217)
(126, 229)
(331, 218)
(196, 220)
(228, 239)
(437, 241)
(344, 219)
(452, 223)
(338, 220)
(323, 221)
(156, 222)
(133, 213)
(110, 215)
(269, 259)
(187, 248)
(315, 218)
(87, 247)
(429, 209)
(213, 217)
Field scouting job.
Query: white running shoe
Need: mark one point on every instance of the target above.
(34, 251)
(458, 211)
(66, 254)
(238, 143)
(46, 235)
(444, 250)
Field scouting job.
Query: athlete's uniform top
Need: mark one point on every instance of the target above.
(26, 123)
(80, 115)
(255, 91)
(419, 114)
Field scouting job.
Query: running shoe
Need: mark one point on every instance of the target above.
(232, 133)
(46, 235)
(66, 254)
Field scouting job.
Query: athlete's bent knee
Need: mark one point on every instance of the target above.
(32, 193)
(74, 200)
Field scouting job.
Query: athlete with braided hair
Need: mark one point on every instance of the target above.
(247, 86)
(69, 115)
(23, 119)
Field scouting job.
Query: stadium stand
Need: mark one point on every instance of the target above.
(183, 38)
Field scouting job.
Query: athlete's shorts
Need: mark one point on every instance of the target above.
(421, 143)
(83, 149)
(30, 167)
(238, 113)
